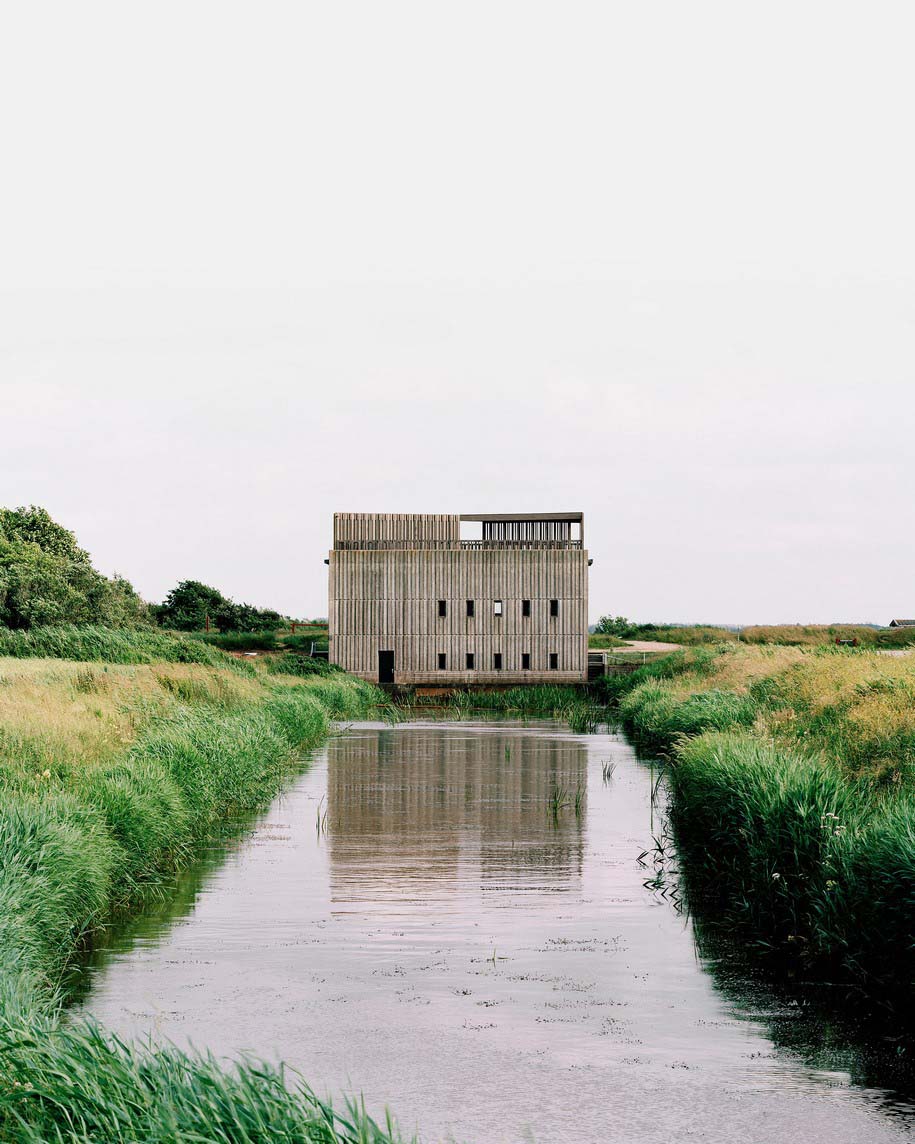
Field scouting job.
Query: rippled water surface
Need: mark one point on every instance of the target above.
(449, 947)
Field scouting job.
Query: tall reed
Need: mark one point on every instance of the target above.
(79, 841)
(794, 805)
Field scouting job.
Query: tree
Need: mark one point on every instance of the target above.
(614, 626)
(34, 525)
(46, 578)
(188, 605)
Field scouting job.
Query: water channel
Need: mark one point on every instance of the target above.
(412, 921)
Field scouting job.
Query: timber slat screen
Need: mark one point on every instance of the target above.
(404, 583)
(380, 545)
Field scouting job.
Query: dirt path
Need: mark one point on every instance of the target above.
(645, 645)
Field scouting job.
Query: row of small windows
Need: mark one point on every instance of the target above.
(470, 661)
(497, 608)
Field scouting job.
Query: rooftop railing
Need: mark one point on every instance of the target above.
(452, 545)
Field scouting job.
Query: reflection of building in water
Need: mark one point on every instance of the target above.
(417, 812)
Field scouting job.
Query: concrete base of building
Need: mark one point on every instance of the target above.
(463, 680)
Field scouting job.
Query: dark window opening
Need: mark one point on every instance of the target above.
(525, 661)
(497, 608)
(470, 609)
(525, 607)
(497, 661)
(442, 661)
(470, 661)
(443, 607)
(554, 661)
(554, 607)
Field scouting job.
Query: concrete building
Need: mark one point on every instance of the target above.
(412, 601)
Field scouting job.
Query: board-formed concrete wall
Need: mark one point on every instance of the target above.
(385, 598)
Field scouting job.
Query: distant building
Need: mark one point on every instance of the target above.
(902, 623)
(413, 603)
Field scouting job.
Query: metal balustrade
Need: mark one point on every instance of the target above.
(453, 545)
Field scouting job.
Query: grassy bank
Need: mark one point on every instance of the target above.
(793, 784)
(110, 645)
(109, 776)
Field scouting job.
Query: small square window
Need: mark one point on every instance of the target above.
(525, 661)
(554, 607)
(470, 609)
(442, 661)
(470, 661)
(497, 661)
(443, 607)
(554, 661)
(497, 607)
(525, 607)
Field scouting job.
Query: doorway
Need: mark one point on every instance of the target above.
(385, 667)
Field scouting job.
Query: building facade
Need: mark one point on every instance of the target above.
(411, 602)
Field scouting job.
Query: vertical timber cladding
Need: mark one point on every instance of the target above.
(388, 573)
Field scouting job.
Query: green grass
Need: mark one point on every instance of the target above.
(302, 665)
(76, 1083)
(110, 645)
(79, 842)
(303, 639)
(544, 700)
(239, 641)
(657, 718)
(791, 635)
(793, 803)
(768, 832)
(572, 705)
(816, 868)
(603, 640)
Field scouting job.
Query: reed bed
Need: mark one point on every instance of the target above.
(109, 776)
(572, 705)
(793, 782)
(79, 1084)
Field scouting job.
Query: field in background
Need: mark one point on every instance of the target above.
(799, 635)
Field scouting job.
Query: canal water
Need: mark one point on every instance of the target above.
(451, 919)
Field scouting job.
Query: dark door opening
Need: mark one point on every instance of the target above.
(385, 667)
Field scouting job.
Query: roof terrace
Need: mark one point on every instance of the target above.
(377, 531)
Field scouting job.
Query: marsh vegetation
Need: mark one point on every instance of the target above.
(110, 776)
(793, 802)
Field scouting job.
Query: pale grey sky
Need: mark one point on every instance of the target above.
(260, 262)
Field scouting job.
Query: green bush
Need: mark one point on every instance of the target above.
(190, 605)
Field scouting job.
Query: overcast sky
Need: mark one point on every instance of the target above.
(263, 262)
